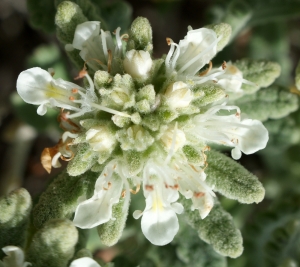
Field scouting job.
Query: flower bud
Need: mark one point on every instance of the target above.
(101, 138)
(137, 63)
(178, 95)
(168, 136)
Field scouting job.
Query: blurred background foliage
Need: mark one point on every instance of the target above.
(267, 30)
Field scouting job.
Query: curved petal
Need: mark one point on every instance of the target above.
(31, 85)
(84, 262)
(15, 256)
(253, 138)
(160, 224)
(84, 31)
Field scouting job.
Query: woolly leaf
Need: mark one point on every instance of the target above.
(111, 231)
(222, 30)
(232, 180)
(274, 102)
(217, 229)
(83, 160)
(53, 245)
(261, 72)
(41, 14)
(14, 218)
(61, 197)
(207, 93)
(237, 15)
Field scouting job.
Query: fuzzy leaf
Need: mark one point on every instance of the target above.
(232, 180)
(111, 231)
(41, 14)
(274, 102)
(222, 30)
(14, 218)
(207, 93)
(60, 198)
(217, 229)
(261, 72)
(84, 159)
(53, 245)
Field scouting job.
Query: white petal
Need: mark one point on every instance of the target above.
(160, 225)
(84, 31)
(253, 138)
(98, 209)
(15, 256)
(84, 262)
(236, 153)
(137, 214)
(31, 84)
(177, 207)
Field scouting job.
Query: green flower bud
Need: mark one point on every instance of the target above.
(140, 36)
(68, 16)
(14, 218)
(134, 137)
(83, 160)
(53, 245)
(208, 93)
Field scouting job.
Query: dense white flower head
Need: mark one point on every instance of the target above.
(15, 257)
(144, 123)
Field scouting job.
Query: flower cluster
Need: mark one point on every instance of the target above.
(144, 122)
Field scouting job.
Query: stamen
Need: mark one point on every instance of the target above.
(124, 37)
(169, 41)
(118, 38)
(149, 187)
(74, 91)
(207, 70)
(109, 110)
(137, 189)
(224, 65)
(109, 60)
(67, 159)
(71, 98)
(108, 186)
(82, 73)
(199, 194)
(67, 135)
(104, 45)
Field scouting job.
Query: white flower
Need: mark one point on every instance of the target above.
(196, 49)
(15, 257)
(84, 262)
(98, 50)
(247, 135)
(178, 95)
(231, 80)
(159, 222)
(36, 86)
(98, 209)
(137, 63)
